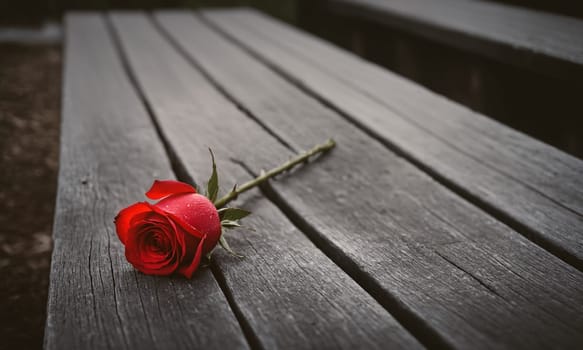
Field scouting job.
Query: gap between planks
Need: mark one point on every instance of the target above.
(278, 203)
(412, 322)
(498, 213)
(182, 175)
(415, 325)
(291, 211)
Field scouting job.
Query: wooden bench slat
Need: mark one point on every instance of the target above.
(110, 154)
(451, 273)
(535, 187)
(535, 40)
(290, 294)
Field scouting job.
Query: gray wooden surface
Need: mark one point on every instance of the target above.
(372, 246)
(531, 39)
(531, 186)
(110, 153)
(386, 197)
(289, 293)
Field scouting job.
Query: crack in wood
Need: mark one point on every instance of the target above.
(472, 276)
(115, 302)
(149, 329)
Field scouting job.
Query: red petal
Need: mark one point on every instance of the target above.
(123, 219)
(189, 270)
(164, 188)
(186, 226)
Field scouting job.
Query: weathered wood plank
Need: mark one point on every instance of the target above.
(451, 273)
(535, 40)
(110, 154)
(289, 293)
(532, 186)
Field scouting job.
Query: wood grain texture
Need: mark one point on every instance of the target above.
(110, 154)
(532, 186)
(543, 42)
(289, 294)
(452, 274)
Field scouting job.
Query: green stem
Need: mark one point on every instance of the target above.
(221, 202)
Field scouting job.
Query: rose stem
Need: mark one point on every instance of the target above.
(300, 158)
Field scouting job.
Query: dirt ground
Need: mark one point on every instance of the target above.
(29, 128)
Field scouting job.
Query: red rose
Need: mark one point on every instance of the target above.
(171, 235)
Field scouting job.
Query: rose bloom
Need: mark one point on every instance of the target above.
(172, 235)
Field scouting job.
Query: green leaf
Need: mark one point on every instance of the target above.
(232, 213)
(212, 188)
(225, 245)
(209, 255)
(230, 224)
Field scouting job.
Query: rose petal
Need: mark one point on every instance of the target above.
(160, 243)
(139, 253)
(188, 271)
(186, 226)
(171, 228)
(164, 188)
(172, 221)
(123, 219)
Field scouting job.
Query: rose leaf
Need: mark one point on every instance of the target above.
(225, 245)
(213, 183)
(233, 213)
(230, 224)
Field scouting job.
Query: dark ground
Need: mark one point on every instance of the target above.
(29, 129)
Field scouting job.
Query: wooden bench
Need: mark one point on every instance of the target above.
(541, 42)
(516, 65)
(428, 226)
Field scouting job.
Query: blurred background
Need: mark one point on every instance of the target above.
(546, 107)
(34, 11)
